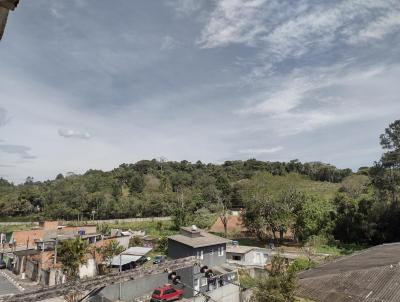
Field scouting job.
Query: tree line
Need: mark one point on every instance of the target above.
(147, 188)
(365, 208)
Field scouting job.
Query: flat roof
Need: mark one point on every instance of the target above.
(26, 252)
(205, 239)
(137, 250)
(239, 249)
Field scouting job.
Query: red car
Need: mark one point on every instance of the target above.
(166, 293)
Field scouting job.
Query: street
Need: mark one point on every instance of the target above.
(6, 287)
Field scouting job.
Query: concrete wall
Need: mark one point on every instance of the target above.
(123, 241)
(211, 257)
(31, 270)
(256, 257)
(227, 293)
(88, 270)
(127, 291)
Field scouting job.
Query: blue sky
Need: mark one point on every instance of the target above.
(94, 83)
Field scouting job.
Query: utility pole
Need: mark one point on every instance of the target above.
(55, 252)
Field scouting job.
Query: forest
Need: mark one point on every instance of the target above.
(313, 199)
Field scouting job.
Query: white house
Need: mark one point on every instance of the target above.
(247, 255)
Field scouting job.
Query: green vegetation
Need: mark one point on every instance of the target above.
(331, 210)
(156, 188)
(110, 250)
(72, 253)
(279, 286)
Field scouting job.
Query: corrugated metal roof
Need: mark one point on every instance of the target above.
(372, 275)
(137, 250)
(124, 259)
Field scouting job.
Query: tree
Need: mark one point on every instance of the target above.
(224, 211)
(72, 253)
(279, 286)
(181, 211)
(386, 173)
(111, 249)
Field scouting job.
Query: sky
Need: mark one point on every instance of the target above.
(92, 84)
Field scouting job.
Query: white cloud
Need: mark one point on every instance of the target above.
(306, 102)
(283, 100)
(233, 21)
(379, 28)
(293, 29)
(70, 133)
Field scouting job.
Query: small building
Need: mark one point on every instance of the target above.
(130, 258)
(208, 248)
(247, 255)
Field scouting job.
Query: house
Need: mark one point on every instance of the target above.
(130, 258)
(208, 248)
(33, 251)
(247, 255)
(370, 275)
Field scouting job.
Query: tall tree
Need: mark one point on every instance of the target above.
(72, 253)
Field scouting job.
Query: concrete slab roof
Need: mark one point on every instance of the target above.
(204, 239)
(239, 249)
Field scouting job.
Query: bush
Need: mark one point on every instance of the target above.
(301, 264)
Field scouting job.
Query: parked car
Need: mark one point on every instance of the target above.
(158, 259)
(2, 264)
(166, 293)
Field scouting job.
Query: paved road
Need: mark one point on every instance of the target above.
(6, 287)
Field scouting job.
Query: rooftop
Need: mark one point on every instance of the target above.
(202, 239)
(371, 275)
(239, 249)
(137, 250)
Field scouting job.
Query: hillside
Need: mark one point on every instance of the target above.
(153, 188)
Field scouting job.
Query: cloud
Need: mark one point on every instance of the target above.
(379, 28)
(318, 97)
(168, 43)
(185, 7)
(261, 151)
(22, 151)
(70, 133)
(233, 21)
(283, 100)
(287, 29)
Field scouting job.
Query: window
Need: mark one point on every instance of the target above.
(200, 254)
(169, 291)
(196, 286)
(212, 252)
(236, 258)
(220, 251)
(203, 281)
